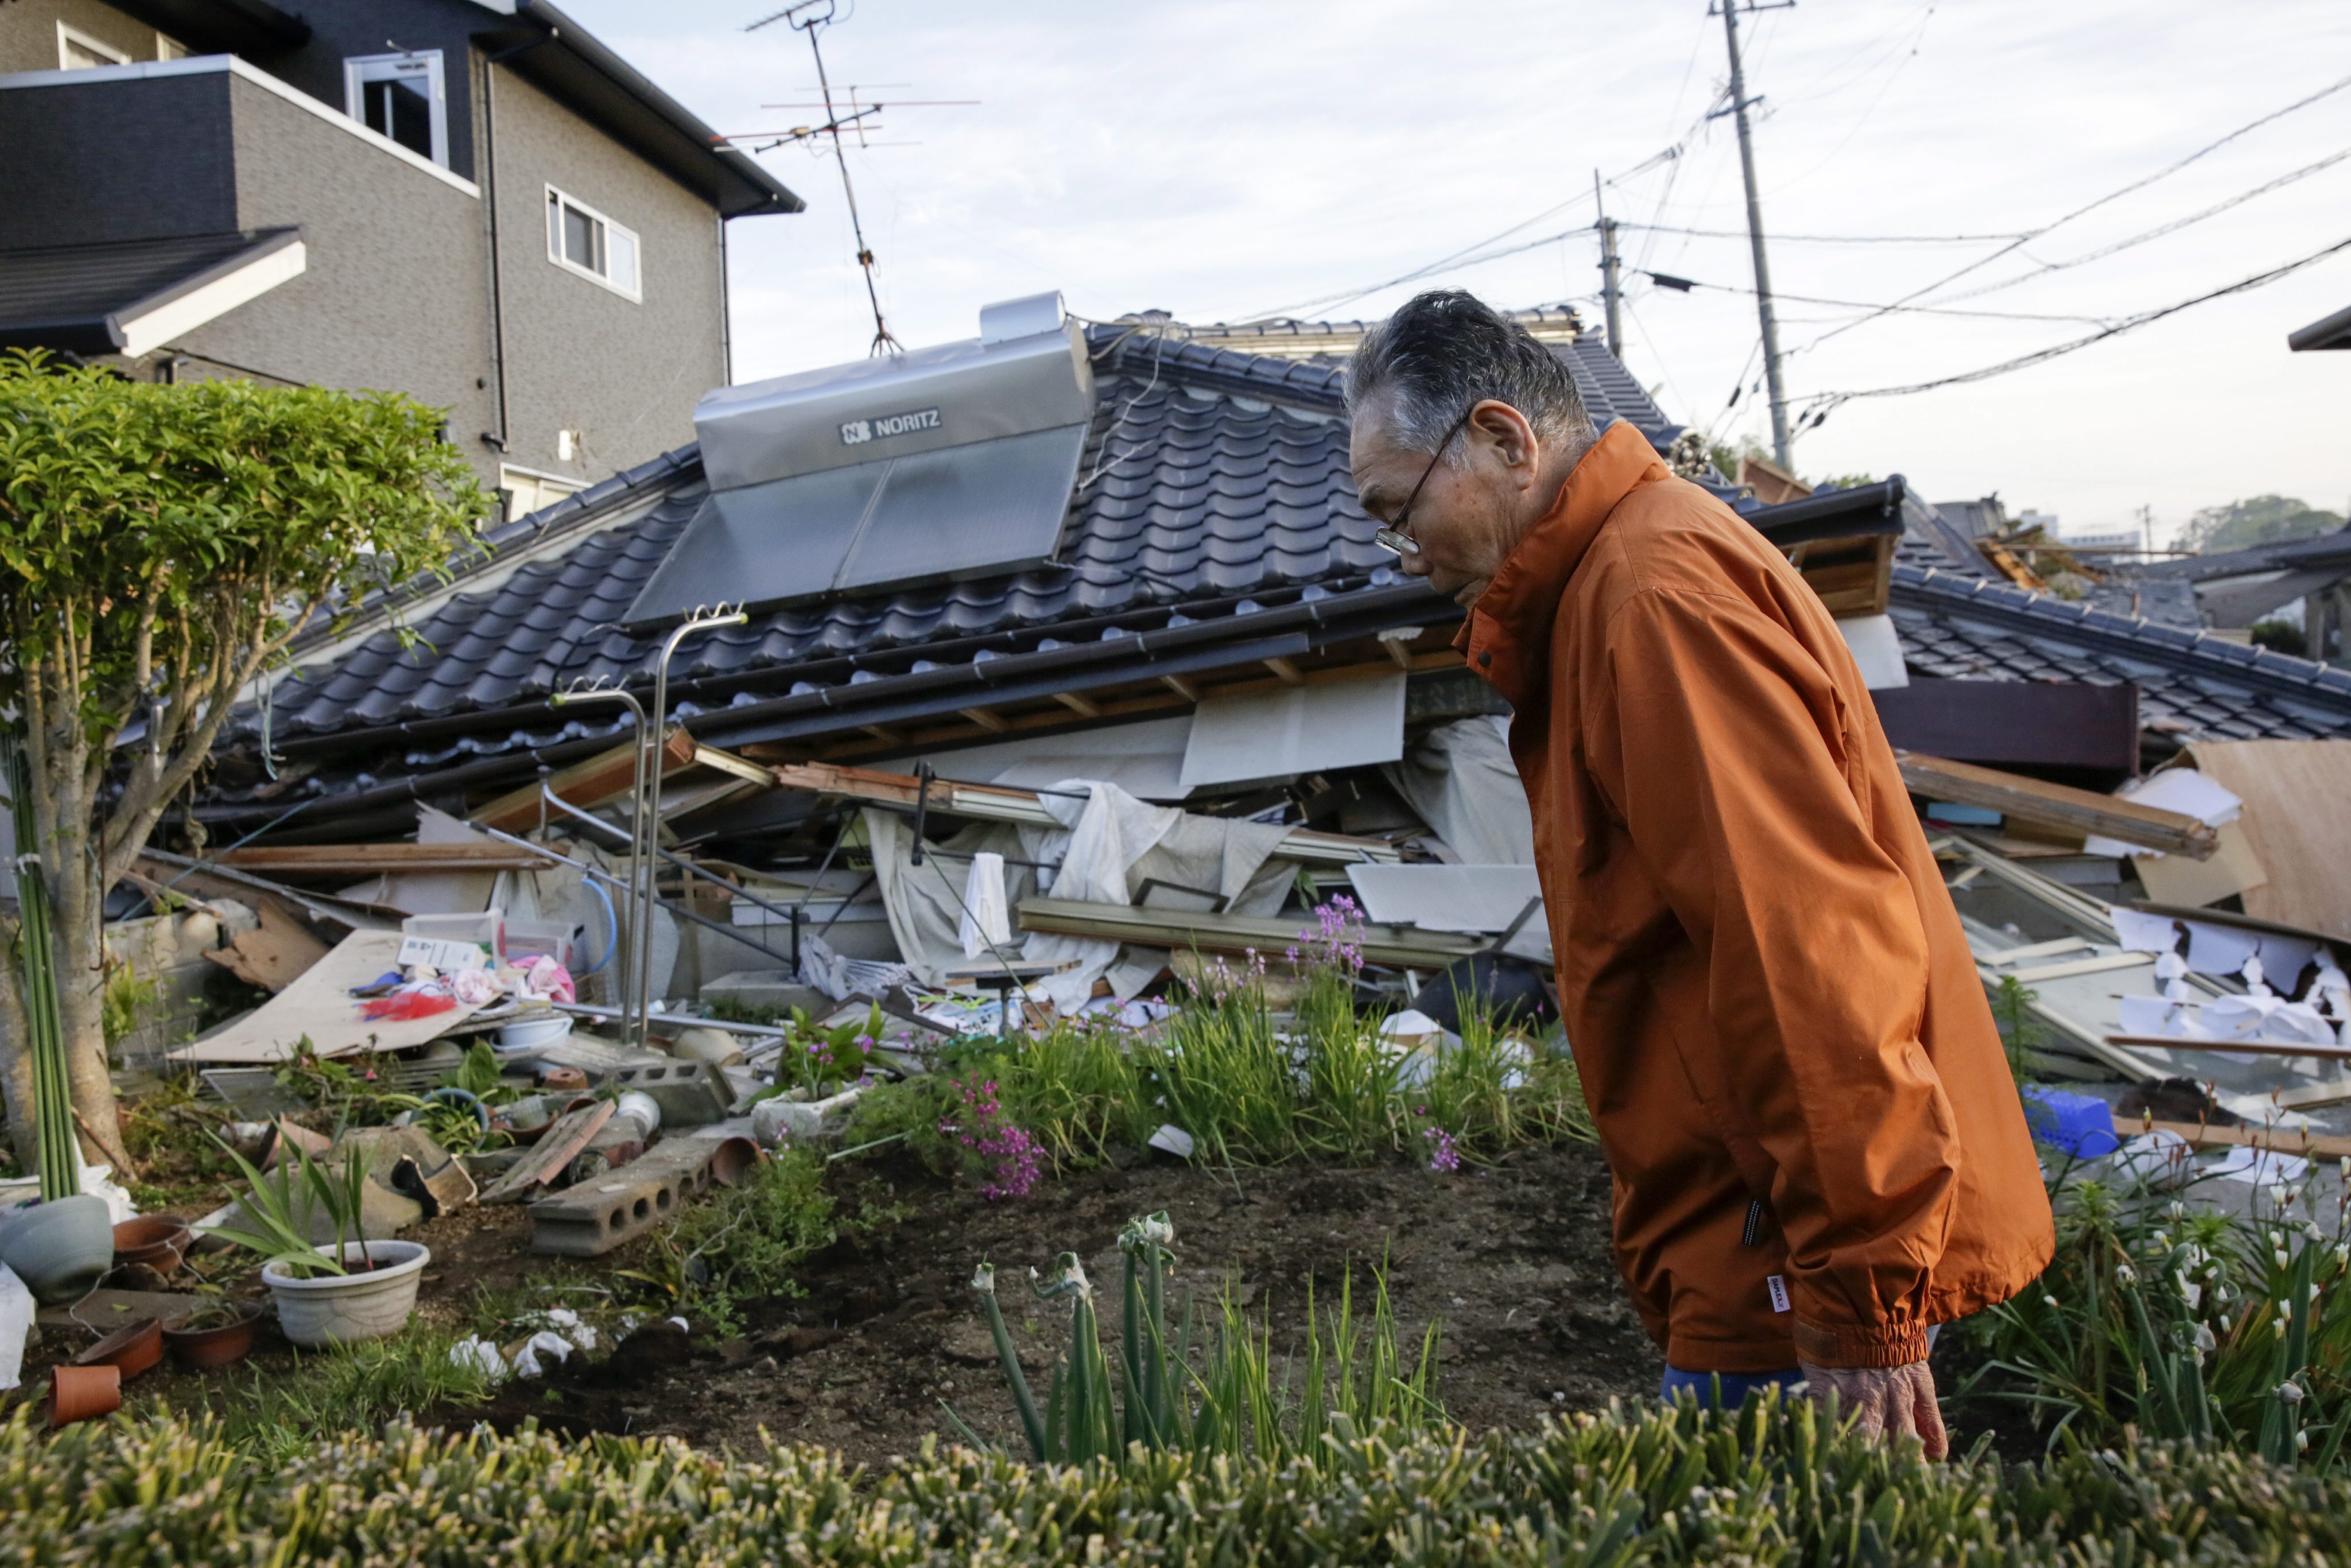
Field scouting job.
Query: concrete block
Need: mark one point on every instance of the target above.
(591, 1219)
(777, 988)
(690, 1093)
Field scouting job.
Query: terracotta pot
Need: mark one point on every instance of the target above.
(224, 1344)
(78, 1393)
(129, 1351)
(733, 1159)
(158, 1241)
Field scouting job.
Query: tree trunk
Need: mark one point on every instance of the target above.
(16, 1062)
(62, 783)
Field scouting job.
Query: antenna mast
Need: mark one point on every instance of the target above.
(807, 17)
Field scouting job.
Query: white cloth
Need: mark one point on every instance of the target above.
(15, 1323)
(987, 920)
(1459, 778)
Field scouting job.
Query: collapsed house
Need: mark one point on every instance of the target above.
(1059, 658)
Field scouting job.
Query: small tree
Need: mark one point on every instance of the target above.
(160, 546)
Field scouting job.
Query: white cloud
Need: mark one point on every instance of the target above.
(1222, 157)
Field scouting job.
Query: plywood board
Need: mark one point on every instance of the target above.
(2297, 823)
(319, 1006)
(273, 955)
(1296, 729)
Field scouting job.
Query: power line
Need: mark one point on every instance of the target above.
(1330, 301)
(1831, 239)
(2111, 196)
(1666, 280)
(2175, 225)
(1825, 402)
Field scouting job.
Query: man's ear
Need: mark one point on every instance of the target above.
(1507, 431)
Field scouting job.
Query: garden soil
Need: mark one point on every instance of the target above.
(1512, 1260)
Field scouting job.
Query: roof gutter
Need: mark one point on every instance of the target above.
(1833, 515)
(773, 196)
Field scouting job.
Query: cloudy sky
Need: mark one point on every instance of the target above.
(1231, 159)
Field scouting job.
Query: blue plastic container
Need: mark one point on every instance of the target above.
(2081, 1125)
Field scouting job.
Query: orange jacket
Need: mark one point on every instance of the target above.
(1766, 987)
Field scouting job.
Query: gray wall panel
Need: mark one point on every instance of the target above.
(28, 32)
(116, 161)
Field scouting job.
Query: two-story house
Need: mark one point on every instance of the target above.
(473, 202)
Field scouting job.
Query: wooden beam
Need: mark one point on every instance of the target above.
(2277, 1140)
(742, 767)
(586, 785)
(887, 736)
(1404, 945)
(2057, 805)
(1286, 670)
(1399, 641)
(1181, 688)
(996, 802)
(361, 860)
(1084, 707)
(2234, 1047)
(986, 720)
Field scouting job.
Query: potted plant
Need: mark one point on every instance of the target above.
(360, 1289)
(218, 1334)
(61, 1245)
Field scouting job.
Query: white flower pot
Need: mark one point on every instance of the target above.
(367, 1304)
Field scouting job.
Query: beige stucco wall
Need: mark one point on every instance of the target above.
(28, 32)
(624, 374)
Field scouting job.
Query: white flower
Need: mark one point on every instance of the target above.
(2162, 1241)
(2179, 1211)
(2301, 1442)
(2289, 1391)
(2192, 1293)
(2204, 1340)
(2279, 1256)
(2277, 1238)
(2278, 1323)
(2125, 1274)
(2050, 1302)
(2317, 1237)
(983, 1278)
(2343, 1257)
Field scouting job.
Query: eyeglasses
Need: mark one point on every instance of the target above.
(1397, 536)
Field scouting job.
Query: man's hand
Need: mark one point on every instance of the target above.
(1888, 1399)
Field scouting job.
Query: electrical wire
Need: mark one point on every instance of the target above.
(1830, 239)
(1679, 284)
(2174, 227)
(1823, 403)
(1332, 301)
(2083, 210)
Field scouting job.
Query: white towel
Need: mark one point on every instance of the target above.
(986, 919)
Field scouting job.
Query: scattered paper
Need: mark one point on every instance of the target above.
(1172, 1140)
(2219, 949)
(479, 1354)
(2139, 932)
(2261, 1168)
(548, 1343)
(2181, 789)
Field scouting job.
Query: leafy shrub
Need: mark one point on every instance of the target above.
(746, 1242)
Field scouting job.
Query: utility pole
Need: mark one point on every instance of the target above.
(1610, 294)
(1780, 453)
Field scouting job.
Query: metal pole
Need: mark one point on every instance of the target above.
(630, 930)
(1781, 450)
(700, 620)
(1611, 294)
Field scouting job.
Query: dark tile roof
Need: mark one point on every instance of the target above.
(1213, 498)
(67, 296)
(2191, 683)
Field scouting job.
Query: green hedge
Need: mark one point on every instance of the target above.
(1646, 1486)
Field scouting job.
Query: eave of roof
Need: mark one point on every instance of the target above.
(220, 27)
(126, 295)
(555, 53)
(2330, 332)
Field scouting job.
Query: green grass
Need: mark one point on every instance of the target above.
(1773, 1483)
(2162, 1315)
(1253, 1087)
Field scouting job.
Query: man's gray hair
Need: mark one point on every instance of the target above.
(1446, 351)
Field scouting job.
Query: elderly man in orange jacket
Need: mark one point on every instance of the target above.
(1818, 1151)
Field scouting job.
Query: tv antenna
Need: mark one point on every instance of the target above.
(808, 16)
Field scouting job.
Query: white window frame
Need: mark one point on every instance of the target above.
(541, 481)
(555, 253)
(360, 69)
(73, 37)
